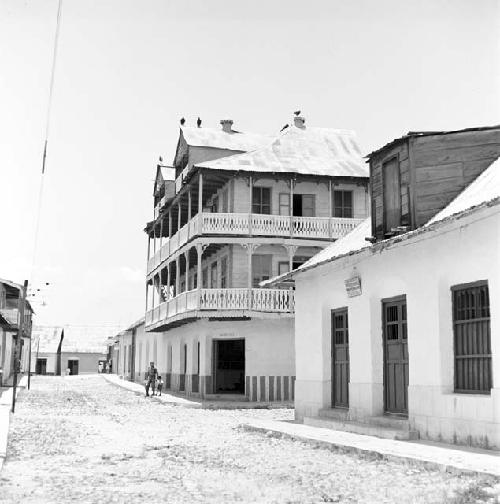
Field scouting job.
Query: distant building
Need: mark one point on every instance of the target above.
(401, 337)
(9, 320)
(236, 209)
(80, 350)
(121, 350)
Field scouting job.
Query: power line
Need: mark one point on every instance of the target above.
(46, 138)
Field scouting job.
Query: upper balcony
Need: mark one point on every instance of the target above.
(244, 224)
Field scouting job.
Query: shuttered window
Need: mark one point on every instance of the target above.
(342, 204)
(261, 200)
(472, 335)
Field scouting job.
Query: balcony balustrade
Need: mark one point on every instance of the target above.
(261, 300)
(325, 228)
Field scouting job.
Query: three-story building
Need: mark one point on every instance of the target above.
(236, 209)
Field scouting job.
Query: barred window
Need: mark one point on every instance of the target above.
(472, 335)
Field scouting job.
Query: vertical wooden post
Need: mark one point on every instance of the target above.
(168, 282)
(186, 256)
(154, 239)
(250, 191)
(20, 330)
(291, 206)
(200, 193)
(189, 204)
(177, 274)
(169, 224)
(179, 208)
(149, 247)
(161, 233)
(330, 208)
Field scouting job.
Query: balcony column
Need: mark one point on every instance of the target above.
(149, 247)
(292, 183)
(169, 224)
(161, 233)
(186, 257)
(250, 199)
(167, 293)
(179, 215)
(160, 285)
(330, 208)
(199, 251)
(177, 275)
(200, 193)
(291, 249)
(189, 205)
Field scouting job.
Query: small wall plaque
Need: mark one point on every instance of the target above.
(353, 286)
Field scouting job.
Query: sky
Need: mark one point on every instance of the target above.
(128, 70)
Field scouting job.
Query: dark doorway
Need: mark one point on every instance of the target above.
(41, 366)
(303, 205)
(340, 359)
(229, 366)
(395, 356)
(73, 366)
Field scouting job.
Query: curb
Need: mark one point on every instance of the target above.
(371, 454)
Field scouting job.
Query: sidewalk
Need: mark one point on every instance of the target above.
(194, 402)
(432, 455)
(5, 405)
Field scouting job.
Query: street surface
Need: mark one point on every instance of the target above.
(82, 439)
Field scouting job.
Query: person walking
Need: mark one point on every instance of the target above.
(151, 375)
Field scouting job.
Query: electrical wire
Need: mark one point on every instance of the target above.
(46, 139)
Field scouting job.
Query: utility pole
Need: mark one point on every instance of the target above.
(21, 306)
(29, 361)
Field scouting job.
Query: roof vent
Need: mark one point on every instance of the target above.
(299, 122)
(226, 125)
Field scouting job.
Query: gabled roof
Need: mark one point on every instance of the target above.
(163, 172)
(76, 339)
(45, 339)
(484, 188)
(301, 150)
(219, 139)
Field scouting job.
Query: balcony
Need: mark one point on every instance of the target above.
(323, 228)
(196, 302)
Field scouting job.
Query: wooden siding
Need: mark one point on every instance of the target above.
(435, 168)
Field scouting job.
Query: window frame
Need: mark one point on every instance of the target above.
(343, 206)
(455, 289)
(260, 204)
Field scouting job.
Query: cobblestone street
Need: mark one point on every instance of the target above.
(82, 439)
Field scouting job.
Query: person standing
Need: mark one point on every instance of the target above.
(151, 375)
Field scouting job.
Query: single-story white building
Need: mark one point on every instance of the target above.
(404, 334)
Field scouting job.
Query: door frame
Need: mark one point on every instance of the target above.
(384, 301)
(215, 358)
(343, 309)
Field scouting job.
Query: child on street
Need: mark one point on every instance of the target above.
(159, 385)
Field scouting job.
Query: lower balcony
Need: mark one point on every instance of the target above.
(220, 302)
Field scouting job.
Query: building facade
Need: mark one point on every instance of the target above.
(401, 337)
(9, 320)
(235, 210)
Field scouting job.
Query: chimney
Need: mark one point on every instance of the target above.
(226, 125)
(299, 122)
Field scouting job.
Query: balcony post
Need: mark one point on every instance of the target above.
(154, 239)
(200, 193)
(291, 249)
(292, 181)
(189, 204)
(161, 233)
(149, 246)
(250, 190)
(177, 275)
(330, 208)
(167, 296)
(179, 215)
(186, 257)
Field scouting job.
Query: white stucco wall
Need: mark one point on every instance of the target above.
(424, 271)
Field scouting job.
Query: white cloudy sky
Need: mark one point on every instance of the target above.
(129, 69)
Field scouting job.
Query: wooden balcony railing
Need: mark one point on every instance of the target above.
(261, 300)
(326, 228)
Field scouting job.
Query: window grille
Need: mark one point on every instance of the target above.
(471, 325)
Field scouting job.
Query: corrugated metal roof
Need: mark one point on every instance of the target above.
(216, 138)
(76, 339)
(308, 151)
(45, 339)
(484, 188)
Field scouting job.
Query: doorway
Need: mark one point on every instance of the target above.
(73, 366)
(395, 356)
(303, 205)
(229, 366)
(340, 359)
(41, 366)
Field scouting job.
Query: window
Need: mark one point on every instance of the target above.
(223, 273)
(471, 327)
(284, 201)
(261, 268)
(342, 204)
(261, 200)
(392, 195)
(283, 267)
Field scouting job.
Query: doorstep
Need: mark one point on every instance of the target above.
(430, 455)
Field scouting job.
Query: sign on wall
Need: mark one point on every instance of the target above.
(353, 286)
